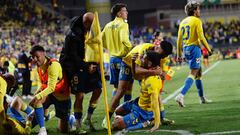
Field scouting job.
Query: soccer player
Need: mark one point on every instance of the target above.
(164, 50)
(190, 35)
(115, 37)
(158, 38)
(52, 89)
(83, 77)
(9, 123)
(136, 113)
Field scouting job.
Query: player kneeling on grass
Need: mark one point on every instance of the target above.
(136, 114)
(52, 89)
(11, 121)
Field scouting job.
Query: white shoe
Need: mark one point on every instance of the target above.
(42, 131)
(104, 123)
(24, 97)
(179, 99)
(72, 122)
(30, 97)
(205, 100)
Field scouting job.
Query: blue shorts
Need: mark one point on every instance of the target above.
(86, 82)
(115, 64)
(11, 112)
(193, 56)
(125, 73)
(62, 107)
(127, 106)
(137, 115)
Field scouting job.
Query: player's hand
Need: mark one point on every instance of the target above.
(34, 101)
(210, 53)
(154, 128)
(179, 59)
(134, 57)
(157, 71)
(163, 75)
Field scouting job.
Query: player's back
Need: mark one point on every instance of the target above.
(189, 30)
(115, 37)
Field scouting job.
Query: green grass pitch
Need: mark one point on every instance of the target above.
(221, 84)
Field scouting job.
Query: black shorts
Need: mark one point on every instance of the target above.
(86, 82)
(62, 107)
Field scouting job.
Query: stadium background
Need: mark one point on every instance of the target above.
(24, 23)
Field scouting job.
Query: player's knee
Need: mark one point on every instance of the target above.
(16, 103)
(118, 123)
(119, 111)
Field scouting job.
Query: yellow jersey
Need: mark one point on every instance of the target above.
(16, 127)
(3, 89)
(115, 38)
(141, 49)
(55, 74)
(190, 32)
(150, 85)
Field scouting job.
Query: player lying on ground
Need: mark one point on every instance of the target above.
(11, 121)
(136, 113)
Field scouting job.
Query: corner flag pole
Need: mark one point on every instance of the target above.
(103, 78)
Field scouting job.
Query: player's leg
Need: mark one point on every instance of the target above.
(115, 64)
(125, 84)
(39, 115)
(92, 106)
(78, 108)
(63, 108)
(193, 56)
(199, 85)
(77, 86)
(126, 107)
(16, 107)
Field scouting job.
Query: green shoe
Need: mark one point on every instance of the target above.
(166, 121)
(89, 126)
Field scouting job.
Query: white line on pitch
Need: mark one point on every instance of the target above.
(178, 90)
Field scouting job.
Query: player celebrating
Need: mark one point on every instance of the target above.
(133, 114)
(190, 35)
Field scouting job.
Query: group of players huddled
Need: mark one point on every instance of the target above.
(78, 72)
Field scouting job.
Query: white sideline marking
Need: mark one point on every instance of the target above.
(178, 90)
(185, 132)
(181, 132)
(221, 133)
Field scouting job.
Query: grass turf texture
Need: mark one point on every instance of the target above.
(221, 84)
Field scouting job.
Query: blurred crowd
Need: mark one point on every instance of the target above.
(219, 33)
(23, 24)
(23, 13)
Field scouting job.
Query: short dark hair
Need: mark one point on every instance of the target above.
(36, 48)
(10, 79)
(117, 7)
(154, 57)
(190, 7)
(6, 63)
(167, 47)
